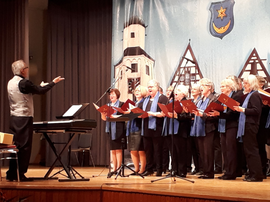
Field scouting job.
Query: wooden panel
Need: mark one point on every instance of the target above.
(133, 188)
(109, 196)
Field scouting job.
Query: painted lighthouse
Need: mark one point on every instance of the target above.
(136, 66)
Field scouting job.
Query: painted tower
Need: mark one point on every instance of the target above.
(136, 66)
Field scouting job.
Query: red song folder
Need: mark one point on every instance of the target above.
(190, 105)
(229, 102)
(137, 110)
(125, 106)
(105, 109)
(264, 95)
(214, 106)
(177, 107)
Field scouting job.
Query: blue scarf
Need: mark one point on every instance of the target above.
(151, 119)
(131, 125)
(175, 128)
(242, 118)
(112, 125)
(165, 128)
(222, 122)
(268, 121)
(198, 129)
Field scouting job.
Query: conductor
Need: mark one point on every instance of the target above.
(20, 94)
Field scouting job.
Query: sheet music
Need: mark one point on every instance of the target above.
(72, 110)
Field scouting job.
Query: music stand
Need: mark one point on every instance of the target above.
(120, 170)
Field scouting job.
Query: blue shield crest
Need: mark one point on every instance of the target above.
(222, 21)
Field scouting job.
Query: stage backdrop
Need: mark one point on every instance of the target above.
(150, 38)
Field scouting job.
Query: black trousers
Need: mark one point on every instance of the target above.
(22, 129)
(165, 152)
(206, 147)
(196, 153)
(179, 160)
(241, 159)
(229, 151)
(217, 152)
(153, 151)
(252, 152)
(262, 140)
(189, 154)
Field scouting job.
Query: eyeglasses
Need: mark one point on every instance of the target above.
(203, 85)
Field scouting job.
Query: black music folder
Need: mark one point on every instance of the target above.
(124, 117)
(73, 111)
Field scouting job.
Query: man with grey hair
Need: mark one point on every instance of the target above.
(20, 93)
(152, 128)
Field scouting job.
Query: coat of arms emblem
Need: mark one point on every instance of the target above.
(222, 19)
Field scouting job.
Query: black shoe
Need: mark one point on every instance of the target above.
(193, 172)
(159, 173)
(110, 174)
(252, 179)
(23, 178)
(207, 177)
(221, 177)
(226, 177)
(199, 173)
(173, 174)
(11, 178)
(182, 175)
(218, 171)
(246, 173)
(146, 173)
(164, 171)
(239, 174)
(134, 173)
(246, 177)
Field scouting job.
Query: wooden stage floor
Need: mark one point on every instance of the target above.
(200, 190)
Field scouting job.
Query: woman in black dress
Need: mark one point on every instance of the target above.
(116, 131)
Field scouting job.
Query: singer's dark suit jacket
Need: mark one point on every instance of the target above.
(232, 116)
(159, 120)
(210, 122)
(254, 109)
(184, 123)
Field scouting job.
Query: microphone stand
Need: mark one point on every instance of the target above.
(107, 91)
(172, 146)
(108, 112)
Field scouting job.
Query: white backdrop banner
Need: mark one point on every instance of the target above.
(222, 35)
